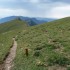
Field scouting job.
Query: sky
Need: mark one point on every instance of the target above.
(35, 8)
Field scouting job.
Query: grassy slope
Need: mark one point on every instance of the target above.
(7, 32)
(48, 44)
(14, 24)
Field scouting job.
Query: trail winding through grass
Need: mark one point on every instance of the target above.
(9, 60)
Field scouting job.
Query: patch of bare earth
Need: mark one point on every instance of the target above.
(1, 66)
(56, 67)
(8, 63)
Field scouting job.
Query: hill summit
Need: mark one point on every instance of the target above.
(15, 24)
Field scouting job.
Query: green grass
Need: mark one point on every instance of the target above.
(48, 44)
(12, 25)
(5, 44)
(7, 32)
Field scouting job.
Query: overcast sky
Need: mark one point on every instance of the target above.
(35, 8)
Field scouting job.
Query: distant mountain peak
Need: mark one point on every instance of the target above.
(18, 18)
(30, 21)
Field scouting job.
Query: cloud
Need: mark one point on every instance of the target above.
(59, 12)
(8, 0)
(64, 1)
(35, 8)
(34, 1)
(9, 12)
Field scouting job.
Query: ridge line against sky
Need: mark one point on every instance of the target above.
(35, 8)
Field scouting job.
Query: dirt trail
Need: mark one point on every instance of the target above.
(9, 60)
(2, 66)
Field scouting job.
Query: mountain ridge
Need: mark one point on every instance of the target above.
(29, 20)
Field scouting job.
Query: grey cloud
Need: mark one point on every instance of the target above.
(65, 1)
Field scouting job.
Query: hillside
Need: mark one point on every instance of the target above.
(7, 32)
(12, 25)
(48, 45)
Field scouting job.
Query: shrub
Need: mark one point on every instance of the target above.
(68, 68)
(38, 48)
(57, 59)
(48, 46)
(37, 53)
(16, 39)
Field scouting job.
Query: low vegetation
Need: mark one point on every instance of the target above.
(48, 45)
(7, 32)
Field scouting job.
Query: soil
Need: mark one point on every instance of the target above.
(8, 63)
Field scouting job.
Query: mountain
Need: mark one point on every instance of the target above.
(30, 21)
(45, 19)
(6, 19)
(13, 24)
